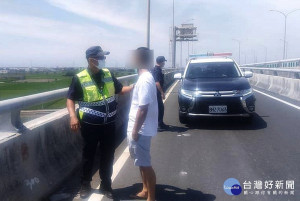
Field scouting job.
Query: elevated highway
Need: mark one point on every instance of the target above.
(192, 161)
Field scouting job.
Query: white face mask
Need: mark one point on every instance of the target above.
(101, 63)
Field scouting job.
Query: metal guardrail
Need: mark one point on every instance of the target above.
(282, 72)
(272, 69)
(35, 99)
(168, 70)
(10, 109)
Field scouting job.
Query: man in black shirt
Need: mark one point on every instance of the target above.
(94, 88)
(159, 80)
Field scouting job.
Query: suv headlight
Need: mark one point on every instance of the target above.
(244, 92)
(187, 93)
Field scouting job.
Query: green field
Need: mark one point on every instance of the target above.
(12, 88)
(37, 83)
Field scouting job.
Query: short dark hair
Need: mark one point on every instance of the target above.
(144, 54)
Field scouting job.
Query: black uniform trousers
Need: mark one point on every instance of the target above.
(161, 108)
(105, 136)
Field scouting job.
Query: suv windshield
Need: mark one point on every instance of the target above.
(212, 70)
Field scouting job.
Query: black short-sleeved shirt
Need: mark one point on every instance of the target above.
(75, 90)
(158, 75)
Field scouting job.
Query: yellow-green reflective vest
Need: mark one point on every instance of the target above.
(98, 105)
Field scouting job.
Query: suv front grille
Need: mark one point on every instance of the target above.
(217, 93)
(202, 104)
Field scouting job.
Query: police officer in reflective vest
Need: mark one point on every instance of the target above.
(94, 88)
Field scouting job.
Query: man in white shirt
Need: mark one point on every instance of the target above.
(142, 125)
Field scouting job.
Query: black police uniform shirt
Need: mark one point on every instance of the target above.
(158, 76)
(75, 90)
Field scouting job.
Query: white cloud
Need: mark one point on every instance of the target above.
(120, 26)
(130, 15)
(41, 28)
(48, 41)
(103, 11)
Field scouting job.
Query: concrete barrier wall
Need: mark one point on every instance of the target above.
(35, 162)
(288, 87)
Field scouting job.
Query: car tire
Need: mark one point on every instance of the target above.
(183, 118)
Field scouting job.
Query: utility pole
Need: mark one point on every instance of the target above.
(285, 27)
(148, 25)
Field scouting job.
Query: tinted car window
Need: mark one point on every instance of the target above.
(212, 70)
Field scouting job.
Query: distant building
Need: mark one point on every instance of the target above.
(3, 71)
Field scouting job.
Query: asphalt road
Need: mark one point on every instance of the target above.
(193, 161)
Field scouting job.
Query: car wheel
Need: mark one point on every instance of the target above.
(183, 118)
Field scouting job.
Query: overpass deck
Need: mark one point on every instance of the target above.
(193, 161)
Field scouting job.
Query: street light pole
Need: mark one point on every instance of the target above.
(284, 42)
(266, 55)
(286, 49)
(181, 54)
(148, 25)
(239, 49)
(285, 27)
(174, 38)
(266, 52)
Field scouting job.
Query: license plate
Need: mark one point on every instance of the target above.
(216, 109)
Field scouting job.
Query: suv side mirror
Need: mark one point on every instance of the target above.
(248, 74)
(177, 76)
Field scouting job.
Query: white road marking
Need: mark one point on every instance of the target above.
(170, 90)
(186, 135)
(282, 101)
(117, 167)
(123, 158)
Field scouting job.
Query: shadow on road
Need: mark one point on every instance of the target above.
(228, 123)
(176, 129)
(165, 193)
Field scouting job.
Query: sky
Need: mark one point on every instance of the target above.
(51, 33)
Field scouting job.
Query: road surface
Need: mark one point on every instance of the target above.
(193, 161)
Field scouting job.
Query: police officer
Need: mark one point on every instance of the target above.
(94, 88)
(159, 80)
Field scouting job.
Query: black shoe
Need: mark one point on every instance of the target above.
(85, 190)
(162, 126)
(108, 192)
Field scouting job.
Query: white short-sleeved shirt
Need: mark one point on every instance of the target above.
(144, 93)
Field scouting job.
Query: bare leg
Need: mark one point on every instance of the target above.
(144, 181)
(144, 192)
(150, 179)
